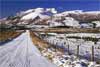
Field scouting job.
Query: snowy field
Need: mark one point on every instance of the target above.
(65, 60)
(21, 52)
(85, 47)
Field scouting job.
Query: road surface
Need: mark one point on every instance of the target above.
(21, 52)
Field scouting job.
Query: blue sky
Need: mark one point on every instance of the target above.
(10, 7)
(49, 0)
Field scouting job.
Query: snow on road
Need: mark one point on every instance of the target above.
(21, 52)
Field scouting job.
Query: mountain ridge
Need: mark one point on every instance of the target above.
(51, 17)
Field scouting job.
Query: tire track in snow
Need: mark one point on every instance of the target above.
(22, 53)
(11, 52)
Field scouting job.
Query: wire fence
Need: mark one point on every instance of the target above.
(88, 51)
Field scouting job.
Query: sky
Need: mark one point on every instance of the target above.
(11, 7)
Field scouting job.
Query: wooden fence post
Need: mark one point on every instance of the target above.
(92, 55)
(68, 49)
(77, 51)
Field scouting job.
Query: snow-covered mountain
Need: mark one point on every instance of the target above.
(51, 17)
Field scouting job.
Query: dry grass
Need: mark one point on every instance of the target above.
(41, 44)
(8, 34)
(69, 30)
(37, 41)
